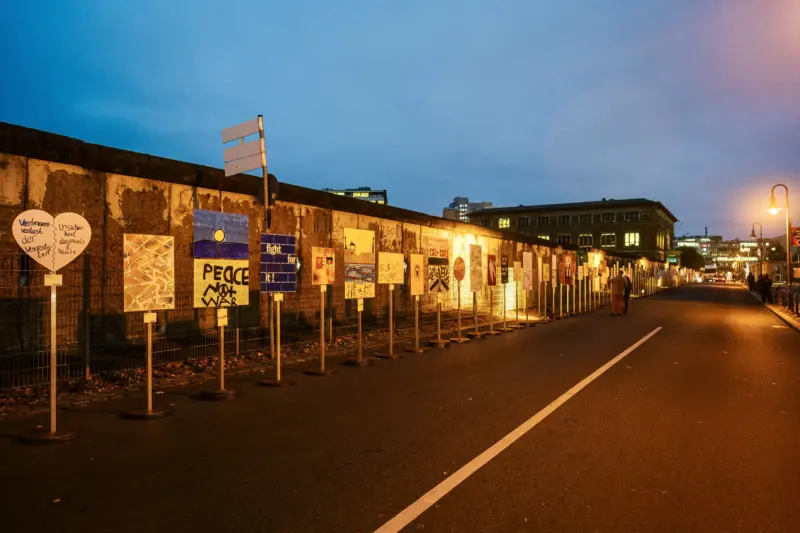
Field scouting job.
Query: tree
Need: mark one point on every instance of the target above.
(691, 258)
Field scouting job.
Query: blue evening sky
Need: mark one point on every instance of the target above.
(695, 103)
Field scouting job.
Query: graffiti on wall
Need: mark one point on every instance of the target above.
(221, 282)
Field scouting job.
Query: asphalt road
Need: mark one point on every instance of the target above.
(695, 430)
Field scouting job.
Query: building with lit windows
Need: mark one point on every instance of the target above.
(362, 193)
(706, 245)
(636, 224)
(460, 208)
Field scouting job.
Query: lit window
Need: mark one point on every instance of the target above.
(544, 237)
(608, 240)
(631, 240)
(563, 239)
(339, 193)
(585, 240)
(380, 201)
(503, 223)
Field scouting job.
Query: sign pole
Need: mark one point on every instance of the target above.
(39, 436)
(321, 372)
(416, 348)
(359, 360)
(459, 339)
(221, 393)
(438, 342)
(149, 413)
(278, 381)
(391, 354)
(491, 331)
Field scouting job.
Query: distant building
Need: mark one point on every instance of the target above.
(707, 246)
(636, 224)
(461, 207)
(362, 193)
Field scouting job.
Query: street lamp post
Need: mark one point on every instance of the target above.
(760, 245)
(773, 209)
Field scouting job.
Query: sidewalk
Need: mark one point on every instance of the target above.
(790, 318)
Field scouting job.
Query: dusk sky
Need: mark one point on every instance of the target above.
(695, 103)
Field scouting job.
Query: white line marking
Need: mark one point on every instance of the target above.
(410, 513)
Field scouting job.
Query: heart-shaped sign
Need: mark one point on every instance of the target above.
(53, 243)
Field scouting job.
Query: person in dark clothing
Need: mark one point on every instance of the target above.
(627, 295)
(766, 289)
(751, 281)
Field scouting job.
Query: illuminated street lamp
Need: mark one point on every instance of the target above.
(760, 245)
(774, 209)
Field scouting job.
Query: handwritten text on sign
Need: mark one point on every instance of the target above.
(221, 282)
(51, 242)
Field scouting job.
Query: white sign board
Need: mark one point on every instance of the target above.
(51, 242)
(245, 156)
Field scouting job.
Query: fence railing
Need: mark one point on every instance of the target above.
(95, 336)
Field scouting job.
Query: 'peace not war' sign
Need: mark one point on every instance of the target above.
(221, 282)
(51, 242)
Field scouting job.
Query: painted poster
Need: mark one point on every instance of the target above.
(51, 242)
(219, 235)
(580, 274)
(278, 265)
(359, 263)
(539, 269)
(459, 269)
(475, 268)
(546, 271)
(491, 270)
(391, 268)
(149, 267)
(795, 236)
(517, 271)
(554, 266)
(221, 282)
(503, 269)
(527, 271)
(438, 250)
(569, 268)
(323, 266)
(416, 278)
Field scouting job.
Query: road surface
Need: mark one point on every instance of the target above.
(696, 429)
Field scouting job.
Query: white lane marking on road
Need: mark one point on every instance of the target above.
(410, 513)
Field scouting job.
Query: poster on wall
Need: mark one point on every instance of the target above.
(554, 267)
(359, 263)
(491, 270)
(795, 236)
(219, 235)
(438, 250)
(278, 265)
(517, 271)
(503, 269)
(539, 267)
(527, 271)
(475, 268)
(221, 282)
(149, 272)
(391, 268)
(51, 242)
(416, 278)
(323, 265)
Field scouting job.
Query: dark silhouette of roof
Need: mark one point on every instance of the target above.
(576, 206)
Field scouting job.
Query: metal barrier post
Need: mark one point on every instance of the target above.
(321, 372)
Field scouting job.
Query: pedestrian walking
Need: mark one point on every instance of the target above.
(627, 296)
(617, 284)
(751, 281)
(766, 289)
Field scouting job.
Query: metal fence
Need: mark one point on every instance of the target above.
(95, 336)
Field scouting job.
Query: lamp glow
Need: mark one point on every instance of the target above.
(773, 206)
